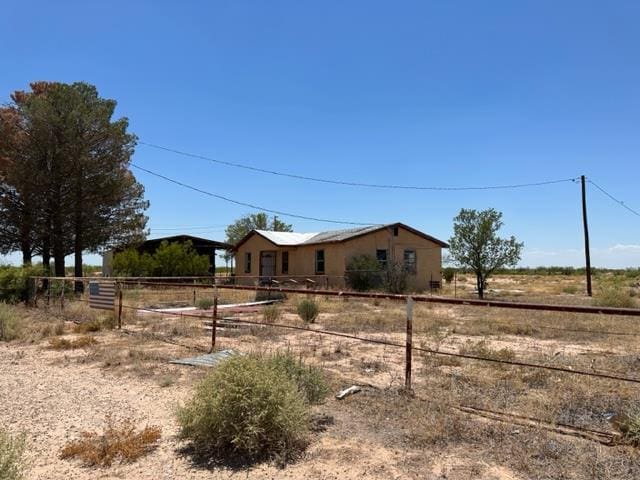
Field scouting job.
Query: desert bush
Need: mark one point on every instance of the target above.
(308, 310)
(271, 313)
(309, 379)
(628, 424)
(118, 441)
(363, 273)
(448, 273)
(10, 324)
(11, 450)
(570, 289)
(131, 263)
(204, 303)
(482, 349)
(614, 296)
(14, 282)
(395, 278)
(247, 408)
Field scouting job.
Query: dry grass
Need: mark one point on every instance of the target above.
(66, 344)
(119, 441)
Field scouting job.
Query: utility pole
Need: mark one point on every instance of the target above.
(587, 253)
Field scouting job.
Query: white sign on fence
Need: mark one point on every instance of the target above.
(102, 295)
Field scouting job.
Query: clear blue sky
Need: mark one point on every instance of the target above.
(428, 92)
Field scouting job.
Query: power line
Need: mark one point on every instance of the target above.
(619, 202)
(256, 207)
(355, 184)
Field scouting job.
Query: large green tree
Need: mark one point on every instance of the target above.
(69, 161)
(476, 245)
(254, 221)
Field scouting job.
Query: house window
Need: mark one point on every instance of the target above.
(247, 262)
(285, 262)
(395, 231)
(381, 255)
(319, 261)
(410, 264)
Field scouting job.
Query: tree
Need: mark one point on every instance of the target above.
(475, 244)
(254, 221)
(65, 178)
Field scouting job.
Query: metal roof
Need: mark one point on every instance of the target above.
(286, 238)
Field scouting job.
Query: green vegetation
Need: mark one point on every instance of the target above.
(14, 282)
(614, 296)
(363, 273)
(251, 408)
(170, 260)
(11, 451)
(204, 303)
(475, 245)
(271, 313)
(9, 323)
(308, 310)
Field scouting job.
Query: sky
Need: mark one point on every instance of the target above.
(426, 93)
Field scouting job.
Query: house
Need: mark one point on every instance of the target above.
(203, 246)
(262, 256)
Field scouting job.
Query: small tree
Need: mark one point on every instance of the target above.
(475, 244)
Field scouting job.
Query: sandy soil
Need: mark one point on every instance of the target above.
(53, 396)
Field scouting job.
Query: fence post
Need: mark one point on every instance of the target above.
(214, 318)
(119, 307)
(409, 346)
(62, 295)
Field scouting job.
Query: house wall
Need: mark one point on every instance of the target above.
(337, 256)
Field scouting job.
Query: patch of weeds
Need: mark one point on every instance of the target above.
(271, 313)
(10, 324)
(166, 381)
(119, 440)
(204, 303)
(91, 326)
(483, 349)
(570, 289)
(11, 451)
(628, 424)
(310, 380)
(614, 296)
(65, 344)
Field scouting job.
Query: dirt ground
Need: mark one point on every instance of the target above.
(54, 395)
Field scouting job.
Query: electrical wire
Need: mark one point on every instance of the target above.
(256, 207)
(619, 202)
(351, 183)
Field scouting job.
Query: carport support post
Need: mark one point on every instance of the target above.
(214, 318)
(409, 347)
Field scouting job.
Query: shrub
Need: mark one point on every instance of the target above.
(483, 350)
(448, 273)
(271, 313)
(247, 408)
(614, 296)
(91, 326)
(169, 260)
(131, 263)
(204, 303)
(308, 310)
(570, 289)
(120, 441)
(309, 380)
(14, 282)
(10, 324)
(395, 278)
(363, 273)
(11, 450)
(628, 423)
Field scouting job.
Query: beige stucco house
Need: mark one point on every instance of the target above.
(262, 256)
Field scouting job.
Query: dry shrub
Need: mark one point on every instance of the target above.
(88, 327)
(65, 344)
(614, 296)
(271, 313)
(628, 424)
(11, 450)
(248, 409)
(10, 324)
(118, 441)
(204, 303)
(308, 310)
(483, 349)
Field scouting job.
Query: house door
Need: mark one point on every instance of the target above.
(267, 265)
